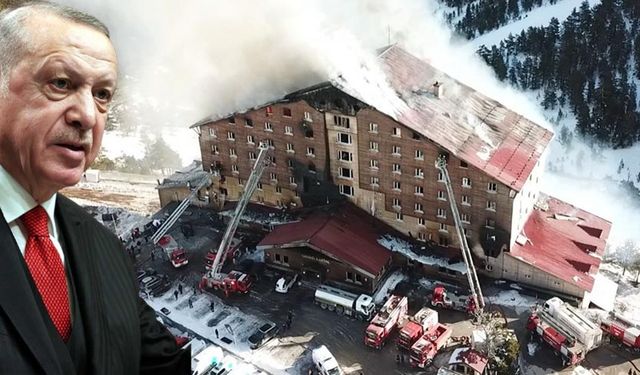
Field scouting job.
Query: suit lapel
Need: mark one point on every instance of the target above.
(78, 250)
(18, 302)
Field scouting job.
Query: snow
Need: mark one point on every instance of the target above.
(389, 284)
(537, 17)
(512, 299)
(532, 347)
(403, 247)
(278, 356)
(579, 370)
(604, 292)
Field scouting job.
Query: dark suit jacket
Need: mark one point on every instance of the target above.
(121, 331)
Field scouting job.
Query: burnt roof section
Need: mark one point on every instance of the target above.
(191, 175)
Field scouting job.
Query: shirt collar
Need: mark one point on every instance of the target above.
(15, 201)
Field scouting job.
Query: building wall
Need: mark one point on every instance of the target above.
(342, 143)
(514, 269)
(229, 145)
(298, 258)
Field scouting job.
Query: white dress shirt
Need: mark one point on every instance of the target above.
(15, 202)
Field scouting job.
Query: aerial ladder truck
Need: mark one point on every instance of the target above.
(475, 302)
(235, 281)
(176, 254)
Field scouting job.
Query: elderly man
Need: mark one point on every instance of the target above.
(68, 298)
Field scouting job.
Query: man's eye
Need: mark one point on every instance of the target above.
(60, 83)
(103, 95)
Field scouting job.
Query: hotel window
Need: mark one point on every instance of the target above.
(259, 186)
(396, 185)
(286, 112)
(231, 136)
(466, 201)
(419, 190)
(443, 240)
(248, 122)
(215, 150)
(290, 147)
(346, 190)
(422, 236)
(278, 190)
(232, 120)
(212, 133)
(442, 213)
(345, 156)
(273, 176)
(373, 164)
(272, 159)
(419, 155)
(492, 187)
(418, 208)
(375, 181)
(399, 216)
(421, 221)
(307, 116)
(443, 227)
(419, 173)
(250, 140)
(466, 182)
(240, 182)
(395, 168)
(490, 223)
(252, 155)
(440, 176)
(373, 127)
(234, 168)
(395, 150)
(396, 132)
(289, 163)
(463, 164)
(441, 195)
(465, 218)
(308, 132)
(269, 143)
(341, 121)
(344, 138)
(311, 167)
(288, 130)
(292, 180)
(268, 126)
(373, 146)
(232, 152)
(311, 151)
(491, 205)
(346, 173)
(396, 203)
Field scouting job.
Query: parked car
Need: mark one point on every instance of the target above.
(265, 333)
(285, 283)
(205, 360)
(154, 285)
(325, 362)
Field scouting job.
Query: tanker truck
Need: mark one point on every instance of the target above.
(343, 302)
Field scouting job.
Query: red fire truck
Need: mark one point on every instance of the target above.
(415, 327)
(624, 331)
(425, 349)
(385, 321)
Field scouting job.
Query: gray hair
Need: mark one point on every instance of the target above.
(15, 38)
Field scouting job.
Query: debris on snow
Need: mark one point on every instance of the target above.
(512, 299)
(389, 284)
(403, 247)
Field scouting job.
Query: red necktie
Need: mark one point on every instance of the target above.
(47, 270)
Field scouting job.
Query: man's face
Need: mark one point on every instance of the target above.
(53, 117)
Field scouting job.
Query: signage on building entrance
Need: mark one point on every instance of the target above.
(320, 260)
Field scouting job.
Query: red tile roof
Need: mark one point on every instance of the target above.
(470, 125)
(346, 235)
(564, 241)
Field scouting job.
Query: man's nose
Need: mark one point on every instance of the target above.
(82, 113)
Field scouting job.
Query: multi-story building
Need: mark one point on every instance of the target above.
(334, 139)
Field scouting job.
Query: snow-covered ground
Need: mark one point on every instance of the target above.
(401, 246)
(537, 17)
(388, 285)
(512, 299)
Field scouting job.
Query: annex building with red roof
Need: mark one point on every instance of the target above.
(372, 137)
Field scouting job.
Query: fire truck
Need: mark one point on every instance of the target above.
(565, 329)
(625, 332)
(415, 327)
(453, 301)
(474, 303)
(234, 252)
(385, 321)
(425, 349)
(176, 254)
(358, 306)
(235, 281)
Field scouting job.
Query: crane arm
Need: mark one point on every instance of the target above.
(472, 276)
(250, 187)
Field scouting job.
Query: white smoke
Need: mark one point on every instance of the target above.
(188, 60)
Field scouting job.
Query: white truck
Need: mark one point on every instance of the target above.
(581, 327)
(334, 299)
(325, 362)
